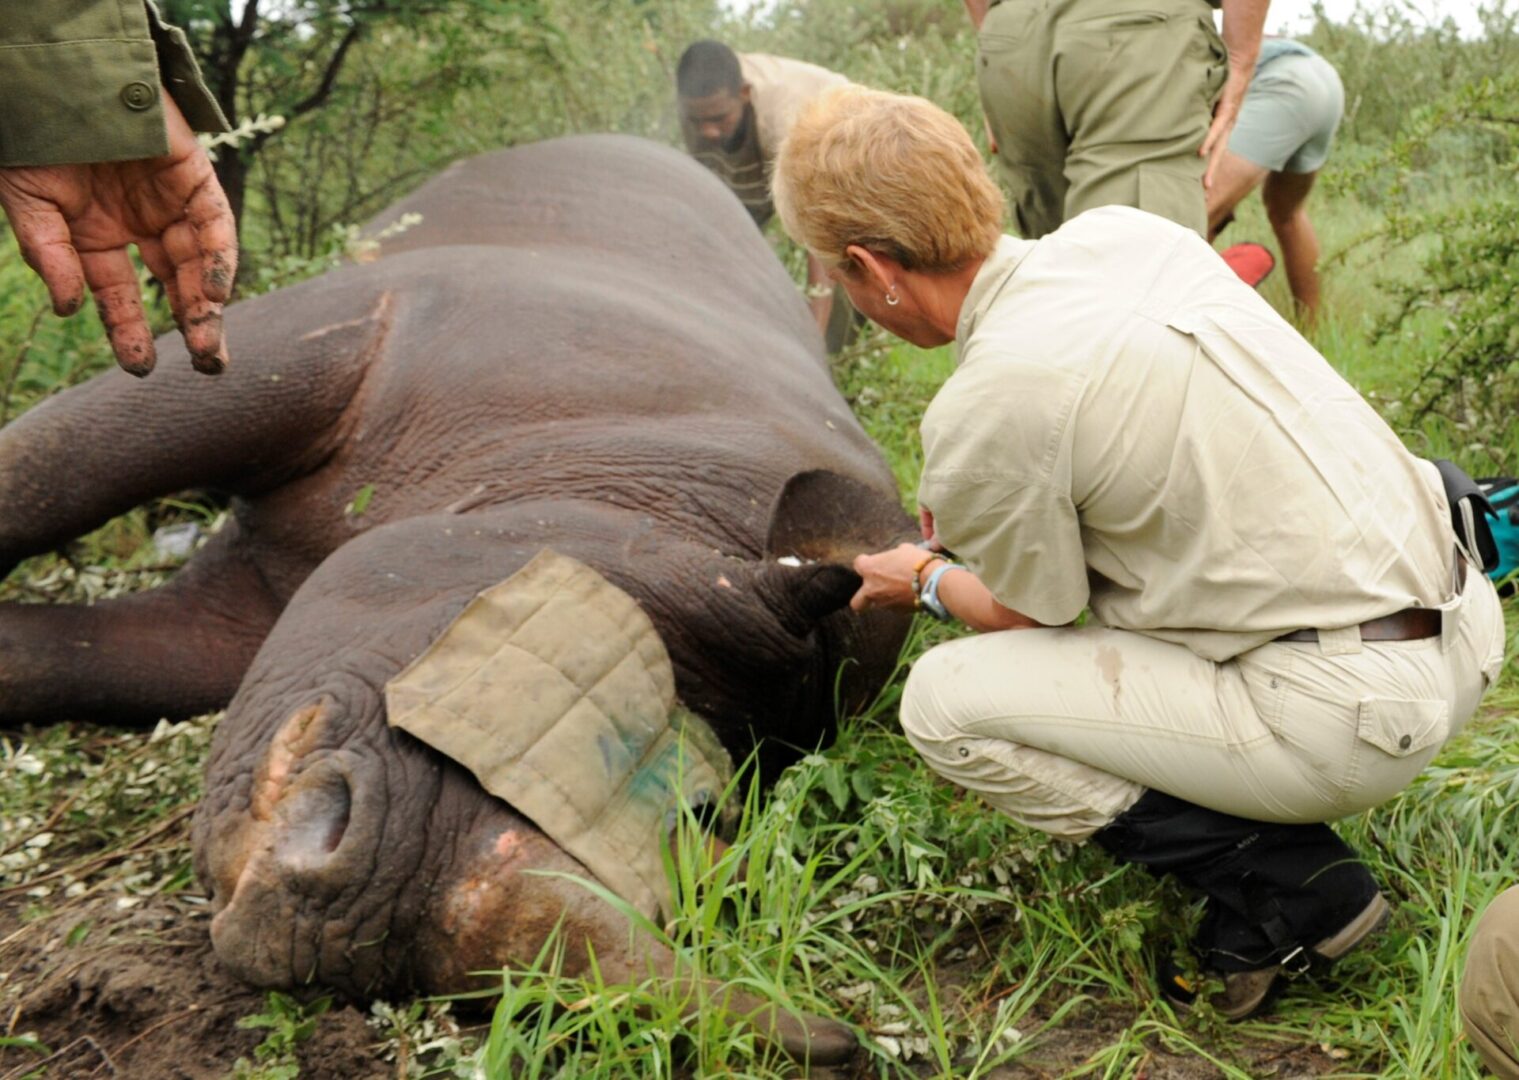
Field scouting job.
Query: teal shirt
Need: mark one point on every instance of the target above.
(81, 81)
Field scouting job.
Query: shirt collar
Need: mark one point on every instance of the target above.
(987, 284)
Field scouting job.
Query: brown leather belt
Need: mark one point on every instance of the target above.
(1410, 624)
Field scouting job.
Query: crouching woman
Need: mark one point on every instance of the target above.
(1282, 631)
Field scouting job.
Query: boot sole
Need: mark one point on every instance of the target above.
(1372, 918)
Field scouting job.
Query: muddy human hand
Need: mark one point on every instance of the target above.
(73, 224)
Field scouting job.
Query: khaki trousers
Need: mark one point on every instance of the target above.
(1062, 729)
(1490, 987)
(1101, 102)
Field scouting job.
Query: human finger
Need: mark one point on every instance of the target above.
(200, 317)
(1213, 147)
(113, 280)
(1210, 140)
(190, 192)
(210, 215)
(157, 262)
(1216, 158)
(48, 248)
(929, 529)
(159, 265)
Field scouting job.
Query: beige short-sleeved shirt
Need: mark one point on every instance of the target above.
(1133, 429)
(779, 88)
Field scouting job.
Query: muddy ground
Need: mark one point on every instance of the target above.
(142, 995)
(137, 993)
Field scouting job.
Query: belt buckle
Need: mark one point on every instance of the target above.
(1296, 963)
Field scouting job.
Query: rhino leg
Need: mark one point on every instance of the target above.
(99, 449)
(174, 651)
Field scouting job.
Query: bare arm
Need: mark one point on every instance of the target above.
(1243, 23)
(976, 9)
(819, 292)
(887, 582)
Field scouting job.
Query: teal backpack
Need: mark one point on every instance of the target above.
(1503, 494)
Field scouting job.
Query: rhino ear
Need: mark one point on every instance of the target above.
(800, 596)
(823, 516)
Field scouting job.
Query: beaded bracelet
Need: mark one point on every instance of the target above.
(917, 584)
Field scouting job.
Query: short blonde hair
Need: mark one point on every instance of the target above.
(895, 174)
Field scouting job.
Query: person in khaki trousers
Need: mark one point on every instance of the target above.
(1490, 987)
(1101, 102)
(1281, 630)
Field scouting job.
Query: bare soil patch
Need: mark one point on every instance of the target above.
(138, 993)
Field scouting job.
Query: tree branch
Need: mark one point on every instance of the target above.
(242, 33)
(329, 76)
(323, 91)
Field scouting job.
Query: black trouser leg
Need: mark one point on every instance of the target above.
(1271, 888)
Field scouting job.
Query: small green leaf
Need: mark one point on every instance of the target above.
(360, 501)
(833, 780)
(23, 1042)
(77, 935)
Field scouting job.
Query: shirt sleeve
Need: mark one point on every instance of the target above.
(1022, 540)
(81, 81)
(996, 474)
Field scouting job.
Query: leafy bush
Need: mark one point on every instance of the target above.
(1393, 61)
(1460, 315)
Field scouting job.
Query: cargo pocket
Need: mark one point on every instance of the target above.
(1402, 728)
(1120, 21)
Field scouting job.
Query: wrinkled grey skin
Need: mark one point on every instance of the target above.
(585, 346)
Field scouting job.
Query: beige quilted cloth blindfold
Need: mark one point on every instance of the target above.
(556, 691)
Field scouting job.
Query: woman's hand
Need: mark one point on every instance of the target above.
(887, 580)
(887, 577)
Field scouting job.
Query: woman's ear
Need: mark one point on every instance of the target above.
(878, 271)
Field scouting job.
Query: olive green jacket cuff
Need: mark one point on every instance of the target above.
(81, 79)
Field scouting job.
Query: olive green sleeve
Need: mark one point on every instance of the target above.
(81, 78)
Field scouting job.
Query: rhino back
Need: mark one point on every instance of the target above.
(663, 362)
(606, 195)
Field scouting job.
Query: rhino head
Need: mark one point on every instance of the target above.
(343, 851)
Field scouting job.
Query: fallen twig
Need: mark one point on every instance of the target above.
(75, 869)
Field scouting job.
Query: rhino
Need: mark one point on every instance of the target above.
(585, 347)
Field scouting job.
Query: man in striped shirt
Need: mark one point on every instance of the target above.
(735, 110)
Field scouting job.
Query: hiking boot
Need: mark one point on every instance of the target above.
(1280, 898)
(1247, 992)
